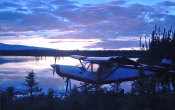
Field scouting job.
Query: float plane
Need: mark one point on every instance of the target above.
(105, 70)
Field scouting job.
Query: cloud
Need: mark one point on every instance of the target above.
(64, 19)
(167, 3)
(11, 16)
(62, 2)
(8, 34)
(8, 5)
(108, 44)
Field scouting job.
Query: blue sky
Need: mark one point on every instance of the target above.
(83, 24)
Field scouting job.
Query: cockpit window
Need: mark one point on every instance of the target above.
(95, 67)
(91, 67)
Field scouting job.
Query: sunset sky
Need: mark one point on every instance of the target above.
(83, 24)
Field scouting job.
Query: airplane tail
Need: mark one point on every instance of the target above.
(167, 60)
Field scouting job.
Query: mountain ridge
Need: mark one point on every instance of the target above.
(21, 47)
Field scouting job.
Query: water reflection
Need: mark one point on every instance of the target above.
(13, 70)
(11, 59)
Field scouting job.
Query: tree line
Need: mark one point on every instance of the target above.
(101, 53)
(161, 42)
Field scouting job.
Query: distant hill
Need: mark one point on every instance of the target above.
(20, 47)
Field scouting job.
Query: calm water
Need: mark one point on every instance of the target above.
(13, 70)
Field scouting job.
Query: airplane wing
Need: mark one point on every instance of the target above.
(116, 59)
(79, 57)
(98, 58)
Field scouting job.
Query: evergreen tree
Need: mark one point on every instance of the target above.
(31, 83)
(161, 43)
(10, 92)
(51, 94)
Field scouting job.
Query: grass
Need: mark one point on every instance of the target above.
(97, 100)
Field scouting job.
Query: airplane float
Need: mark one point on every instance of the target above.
(105, 70)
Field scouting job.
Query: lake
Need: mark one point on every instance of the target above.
(13, 70)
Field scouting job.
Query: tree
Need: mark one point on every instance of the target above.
(10, 92)
(51, 94)
(31, 83)
(161, 43)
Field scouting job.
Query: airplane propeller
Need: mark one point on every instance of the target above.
(54, 66)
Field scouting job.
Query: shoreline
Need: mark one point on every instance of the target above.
(99, 53)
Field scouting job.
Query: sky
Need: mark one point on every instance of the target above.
(83, 24)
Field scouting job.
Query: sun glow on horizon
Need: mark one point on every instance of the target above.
(70, 44)
(60, 44)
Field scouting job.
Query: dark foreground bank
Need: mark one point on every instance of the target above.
(98, 100)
